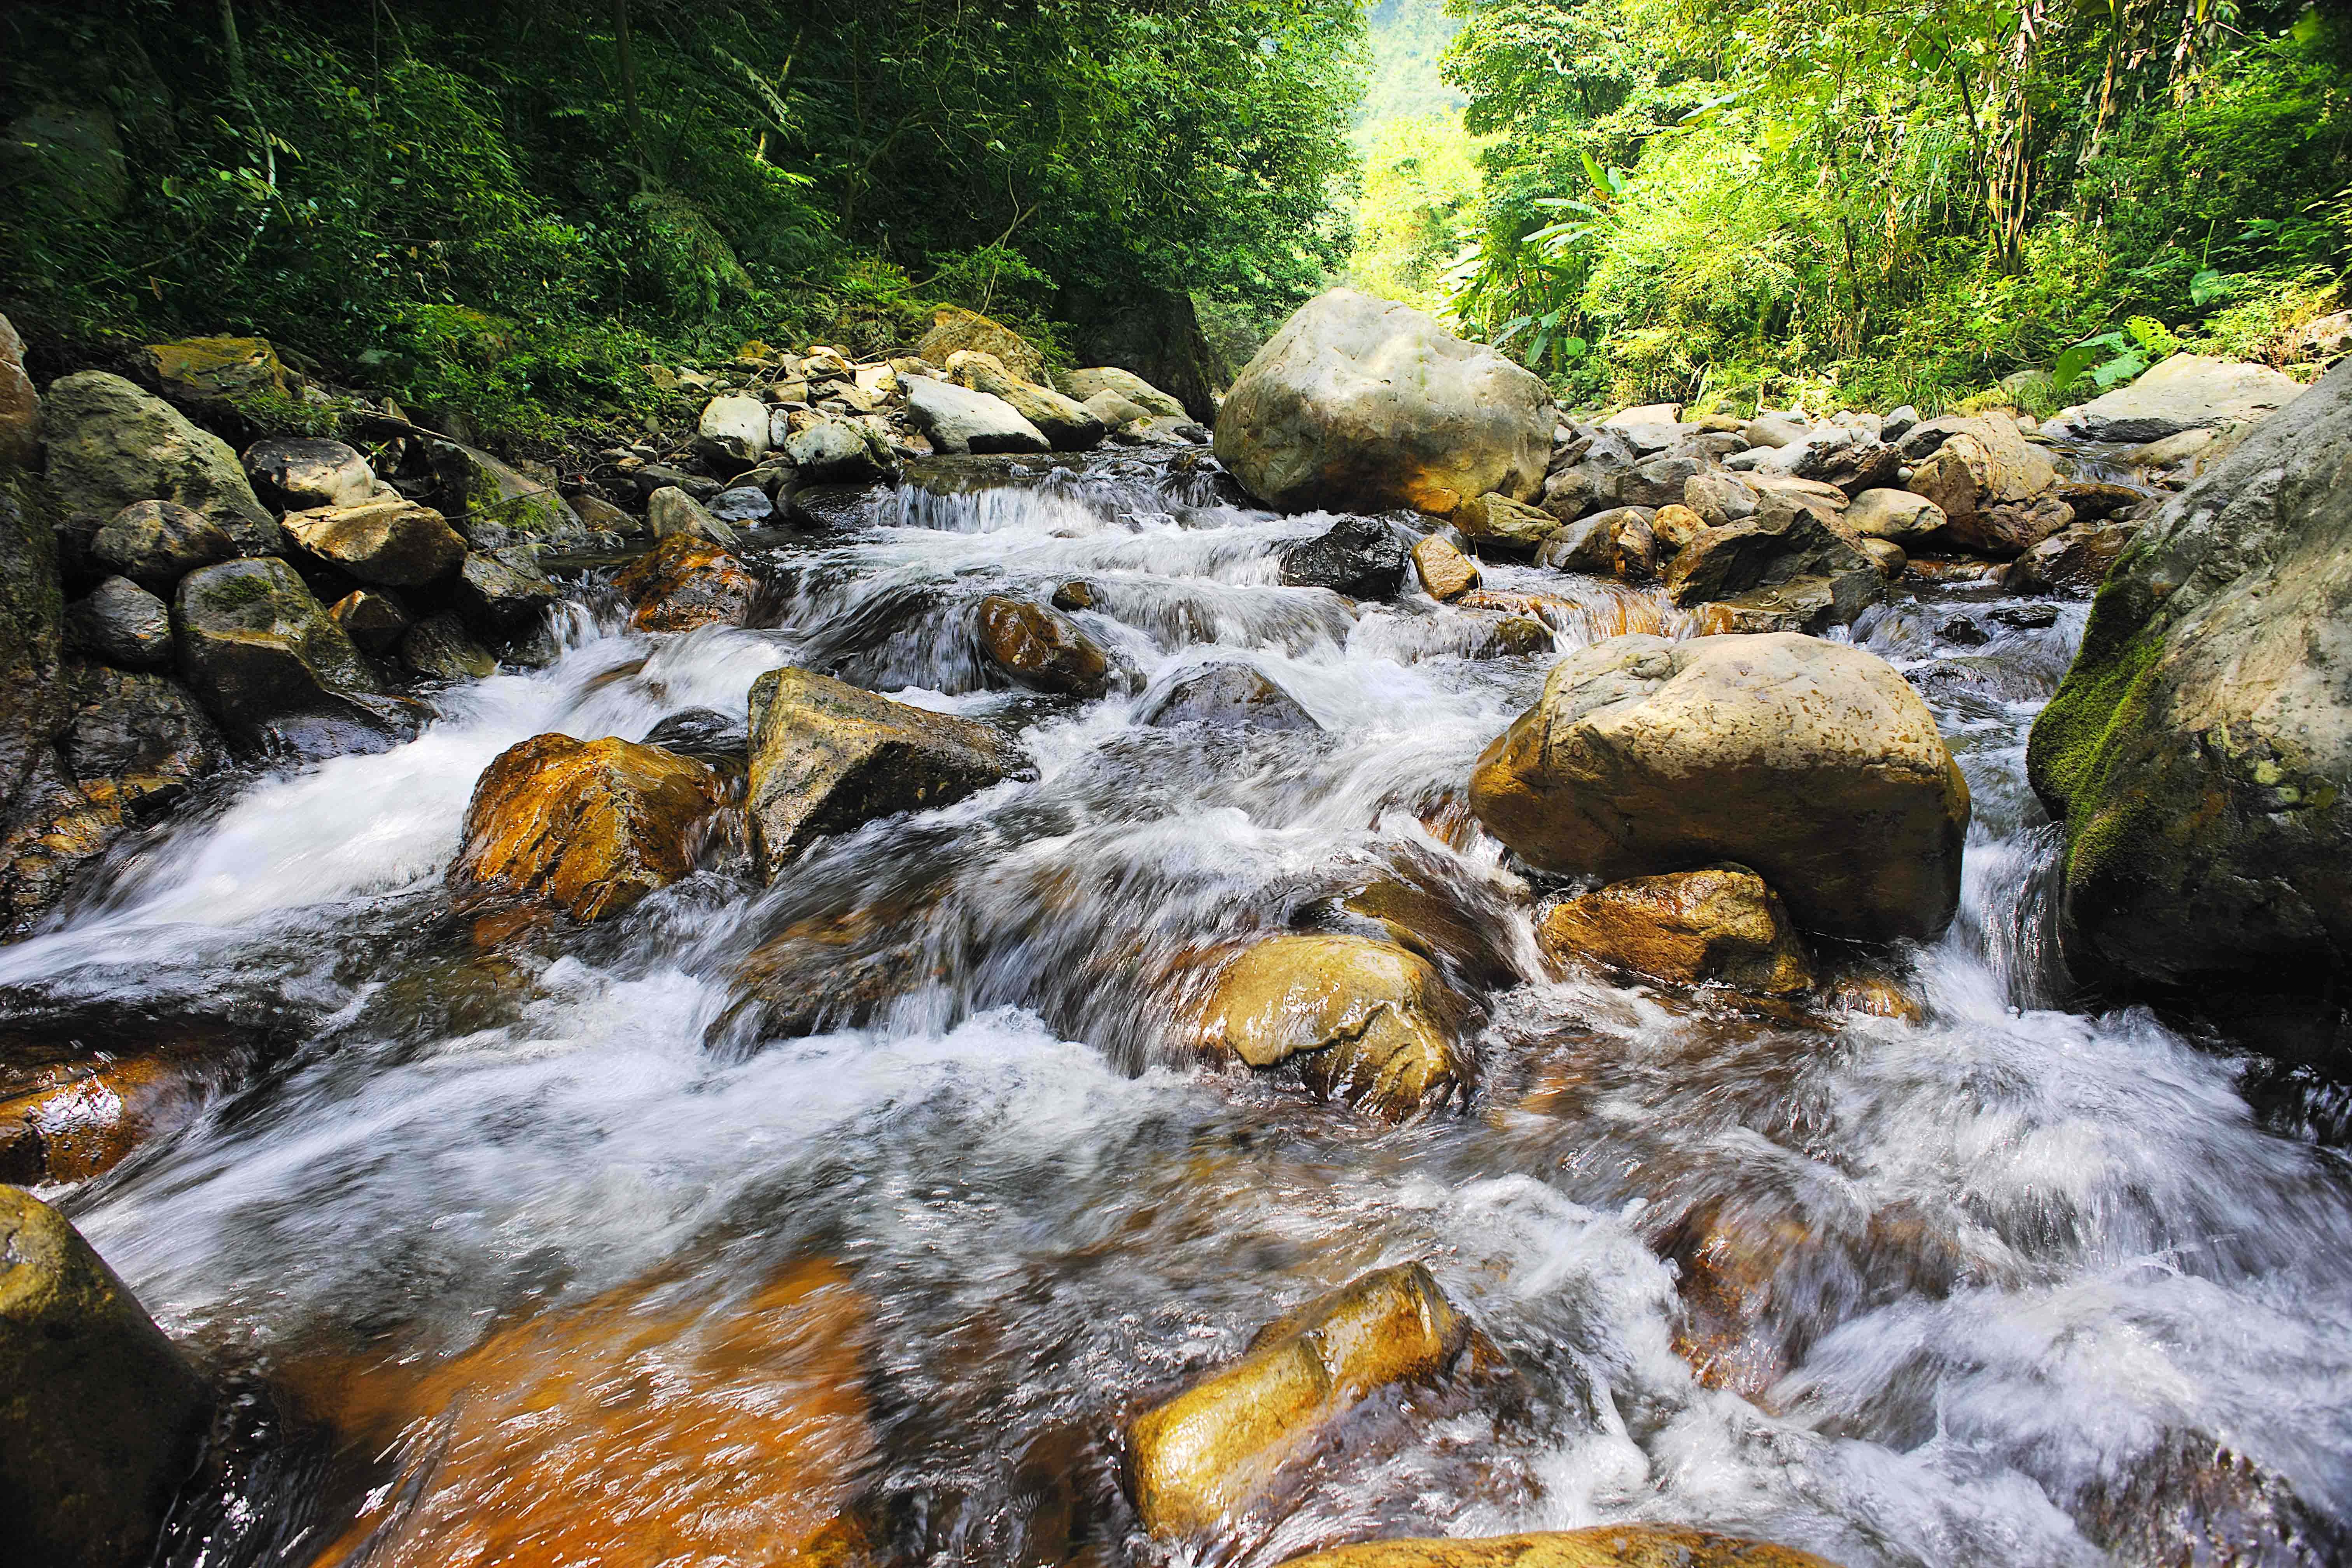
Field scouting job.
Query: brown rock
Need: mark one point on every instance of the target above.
(684, 582)
(389, 541)
(1604, 1546)
(1676, 526)
(375, 622)
(1720, 923)
(2074, 559)
(586, 827)
(636, 1427)
(1369, 1020)
(954, 329)
(1587, 545)
(1446, 573)
(1889, 555)
(1983, 461)
(1497, 521)
(1726, 1261)
(1718, 499)
(1225, 1442)
(20, 408)
(2004, 528)
(1040, 648)
(102, 1416)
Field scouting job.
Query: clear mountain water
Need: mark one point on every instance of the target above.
(2021, 1248)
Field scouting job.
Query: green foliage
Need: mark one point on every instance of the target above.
(502, 209)
(1419, 197)
(1406, 38)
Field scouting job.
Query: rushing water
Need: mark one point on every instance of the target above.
(2020, 1249)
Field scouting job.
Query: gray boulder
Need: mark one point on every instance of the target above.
(296, 473)
(1364, 405)
(832, 450)
(2198, 748)
(123, 624)
(1090, 383)
(2186, 392)
(110, 444)
(386, 542)
(671, 510)
(958, 419)
(268, 662)
(157, 542)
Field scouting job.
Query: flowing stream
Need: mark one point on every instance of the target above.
(2013, 1250)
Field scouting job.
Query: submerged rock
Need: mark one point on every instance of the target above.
(103, 1416)
(1361, 557)
(586, 828)
(1812, 761)
(1222, 1444)
(1364, 405)
(1602, 1546)
(1041, 649)
(2195, 1500)
(1369, 1020)
(827, 757)
(1228, 694)
(1719, 923)
(2198, 748)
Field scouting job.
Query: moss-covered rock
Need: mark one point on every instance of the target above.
(2198, 747)
(263, 655)
(99, 1415)
(110, 444)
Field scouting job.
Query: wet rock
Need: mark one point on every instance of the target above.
(20, 406)
(1604, 1546)
(1093, 382)
(2074, 560)
(103, 1415)
(1812, 761)
(376, 621)
(1718, 499)
(496, 506)
(703, 733)
(1222, 695)
(387, 542)
(1075, 594)
(2196, 749)
(1358, 556)
(839, 970)
(832, 450)
(1719, 923)
(2194, 1500)
(1767, 552)
(955, 330)
(1435, 924)
(588, 827)
(1225, 1443)
(1518, 636)
(218, 377)
(1040, 648)
(502, 594)
(1499, 523)
(1444, 571)
(602, 518)
(439, 648)
(827, 757)
(1364, 405)
(1902, 516)
(694, 1431)
(687, 582)
(157, 542)
(1369, 1020)
(958, 419)
(1587, 545)
(123, 624)
(1981, 463)
(109, 444)
(82, 1090)
(298, 473)
(266, 661)
(2186, 392)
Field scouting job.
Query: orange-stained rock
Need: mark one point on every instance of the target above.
(633, 1429)
(1604, 1546)
(1041, 649)
(1686, 927)
(1225, 1441)
(1444, 571)
(79, 1119)
(1369, 1020)
(685, 582)
(586, 826)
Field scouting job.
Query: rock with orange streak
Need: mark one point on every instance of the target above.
(636, 1428)
(587, 828)
(685, 582)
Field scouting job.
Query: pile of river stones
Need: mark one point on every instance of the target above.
(1759, 811)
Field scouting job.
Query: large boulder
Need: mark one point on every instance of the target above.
(387, 541)
(1064, 421)
(1904, 515)
(687, 582)
(272, 666)
(1986, 477)
(101, 1417)
(502, 594)
(2198, 748)
(1090, 383)
(494, 505)
(734, 429)
(1364, 405)
(958, 419)
(588, 827)
(157, 542)
(670, 512)
(2186, 392)
(1812, 761)
(833, 450)
(1370, 1022)
(827, 757)
(1197, 1459)
(109, 443)
(296, 473)
(1602, 1546)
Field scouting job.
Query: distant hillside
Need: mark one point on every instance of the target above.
(1407, 37)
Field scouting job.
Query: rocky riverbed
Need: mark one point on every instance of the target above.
(954, 966)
